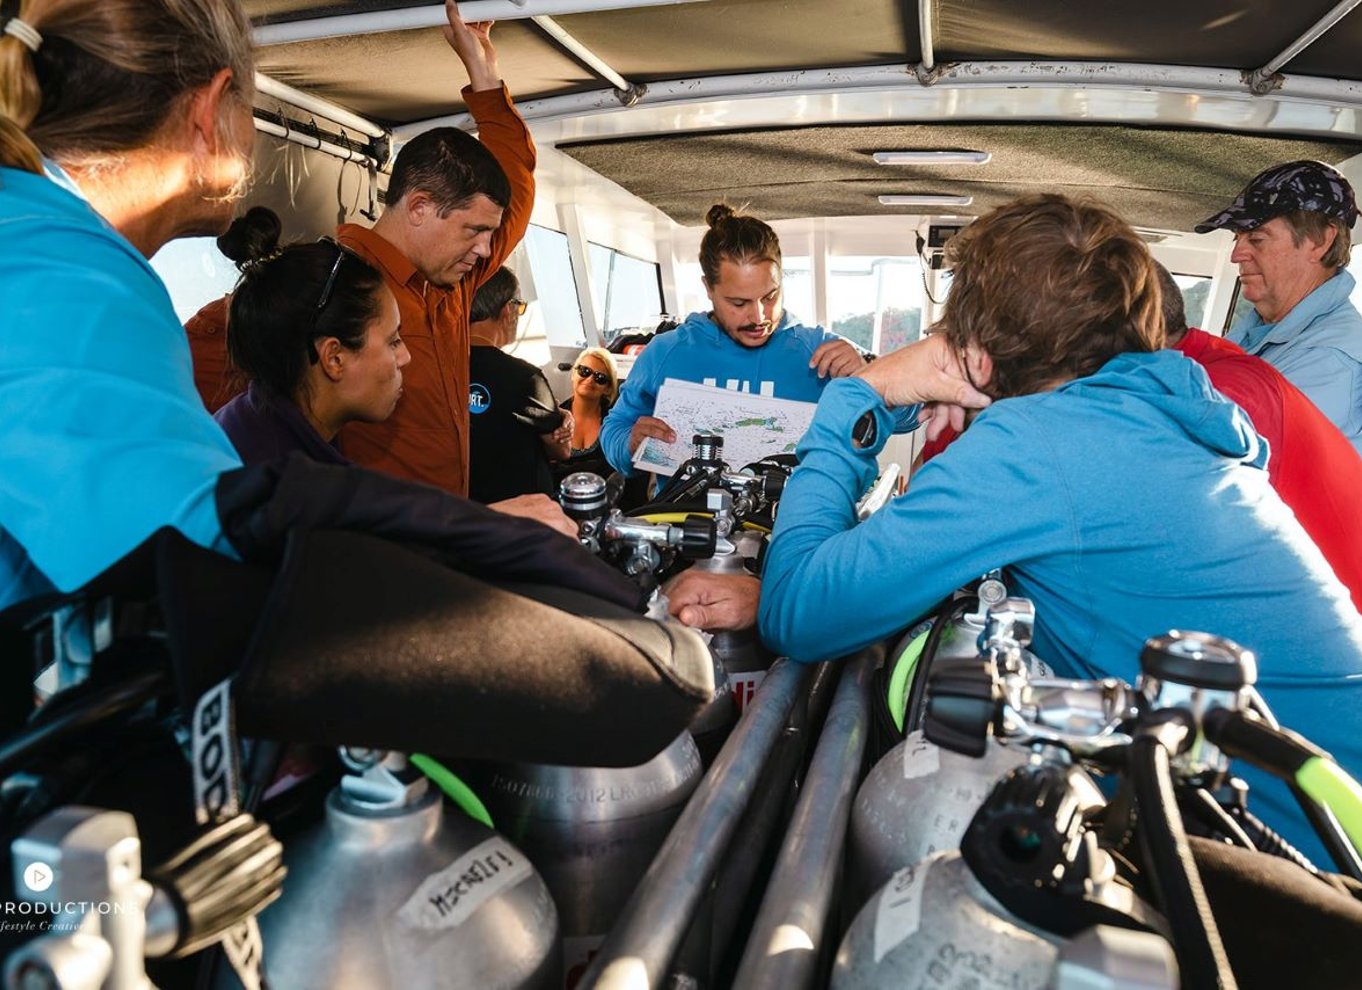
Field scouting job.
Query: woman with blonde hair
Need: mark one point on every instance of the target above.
(595, 387)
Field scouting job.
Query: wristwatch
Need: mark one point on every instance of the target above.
(865, 431)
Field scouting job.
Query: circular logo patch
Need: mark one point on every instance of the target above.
(479, 399)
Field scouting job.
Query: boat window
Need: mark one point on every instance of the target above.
(628, 290)
(557, 315)
(876, 302)
(796, 282)
(1196, 293)
(195, 272)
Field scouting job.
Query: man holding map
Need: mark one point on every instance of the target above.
(745, 344)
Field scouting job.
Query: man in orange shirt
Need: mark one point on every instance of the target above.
(456, 207)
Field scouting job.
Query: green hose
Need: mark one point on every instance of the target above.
(454, 788)
(903, 676)
(1325, 782)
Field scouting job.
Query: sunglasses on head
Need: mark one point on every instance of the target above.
(599, 377)
(325, 297)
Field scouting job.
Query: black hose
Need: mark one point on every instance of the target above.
(1172, 870)
(917, 692)
(1340, 850)
(1265, 840)
(70, 720)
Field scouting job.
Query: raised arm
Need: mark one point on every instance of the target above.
(500, 128)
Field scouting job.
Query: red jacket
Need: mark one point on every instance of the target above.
(1314, 468)
(426, 439)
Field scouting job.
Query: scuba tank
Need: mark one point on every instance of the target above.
(942, 922)
(935, 917)
(590, 831)
(741, 652)
(390, 892)
(916, 801)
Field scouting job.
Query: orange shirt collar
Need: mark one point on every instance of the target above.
(396, 265)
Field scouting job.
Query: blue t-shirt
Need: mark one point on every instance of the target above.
(699, 351)
(103, 438)
(1124, 504)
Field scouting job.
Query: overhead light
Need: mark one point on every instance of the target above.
(933, 157)
(926, 200)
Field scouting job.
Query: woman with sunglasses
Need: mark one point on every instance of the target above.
(315, 330)
(595, 387)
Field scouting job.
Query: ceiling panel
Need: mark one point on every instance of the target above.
(414, 75)
(1219, 33)
(1157, 177)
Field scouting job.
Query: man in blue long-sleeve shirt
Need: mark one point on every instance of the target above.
(747, 342)
(1124, 495)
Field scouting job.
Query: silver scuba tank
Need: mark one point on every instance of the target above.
(388, 893)
(917, 800)
(933, 924)
(741, 652)
(591, 832)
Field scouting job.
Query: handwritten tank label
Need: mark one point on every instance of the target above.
(900, 909)
(449, 898)
(920, 757)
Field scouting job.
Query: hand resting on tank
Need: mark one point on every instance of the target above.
(713, 601)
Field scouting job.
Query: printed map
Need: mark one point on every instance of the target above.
(753, 426)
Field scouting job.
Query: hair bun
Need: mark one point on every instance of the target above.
(718, 213)
(253, 236)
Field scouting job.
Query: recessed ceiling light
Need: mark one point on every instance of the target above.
(933, 157)
(926, 200)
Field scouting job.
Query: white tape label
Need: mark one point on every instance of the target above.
(900, 909)
(744, 686)
(920, 757)
(213, 745)
(448, 898)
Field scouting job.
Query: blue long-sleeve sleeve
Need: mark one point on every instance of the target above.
(637, 398)
(831, 586)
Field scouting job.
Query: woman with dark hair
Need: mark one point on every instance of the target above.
(315, 330)
(251, 236)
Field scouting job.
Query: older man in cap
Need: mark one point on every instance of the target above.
(1292, 238)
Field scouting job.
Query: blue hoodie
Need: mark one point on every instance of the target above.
(698, 351)
(1124, 504)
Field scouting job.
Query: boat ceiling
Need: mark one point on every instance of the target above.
(1159, 176)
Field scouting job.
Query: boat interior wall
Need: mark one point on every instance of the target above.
(1156, 177)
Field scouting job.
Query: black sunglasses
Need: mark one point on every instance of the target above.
(599, 377)
(325, 297)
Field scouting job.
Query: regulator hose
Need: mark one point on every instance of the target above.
(1171, 868)
(229, 873)
(916, 703)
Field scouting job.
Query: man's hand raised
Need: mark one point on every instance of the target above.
(927, 372)
(473, 44)
(836, 359)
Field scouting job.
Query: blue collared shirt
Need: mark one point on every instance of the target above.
(103, 438)
(1318, 347)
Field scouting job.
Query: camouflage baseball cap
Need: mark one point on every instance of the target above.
(1305, 185)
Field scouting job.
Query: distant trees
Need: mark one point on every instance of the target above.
(901, 326)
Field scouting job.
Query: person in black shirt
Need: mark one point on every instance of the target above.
(516, 427)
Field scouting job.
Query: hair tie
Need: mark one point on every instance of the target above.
(28, 35)
(251, 264)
